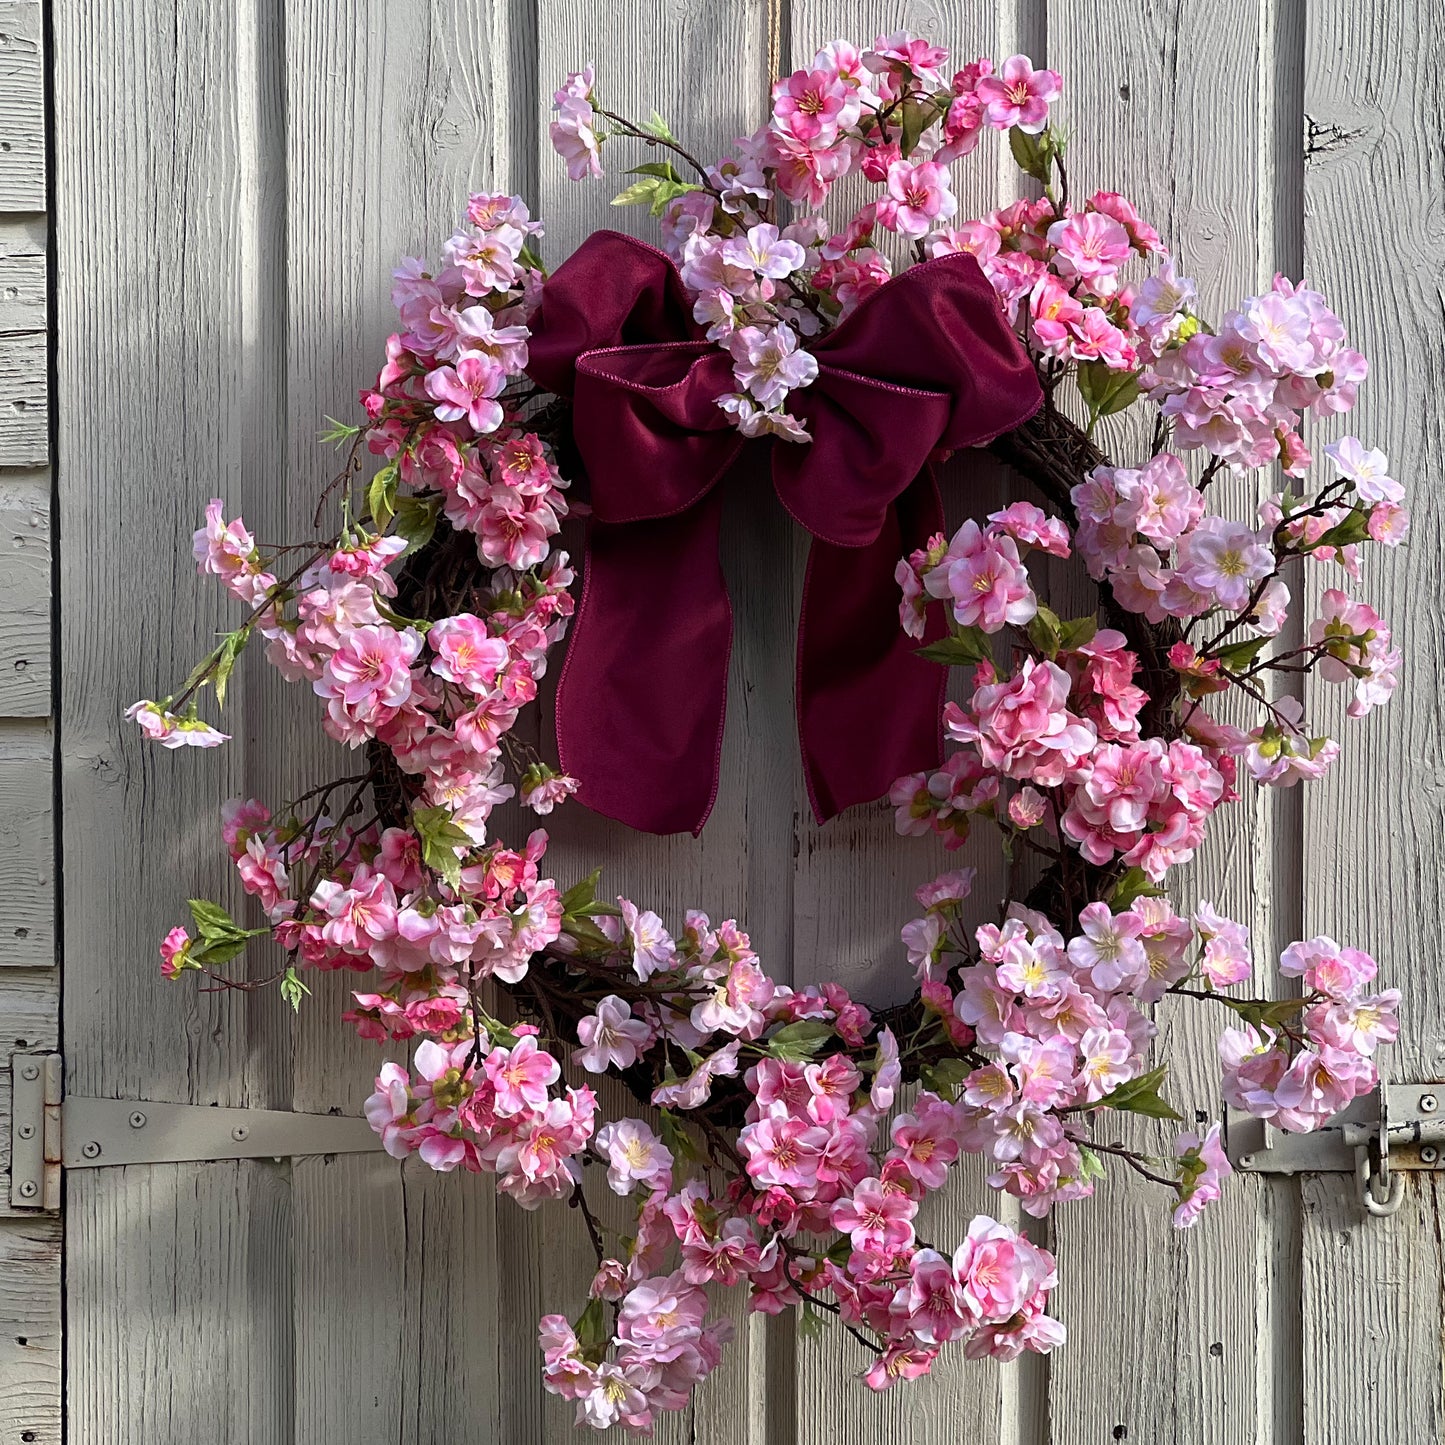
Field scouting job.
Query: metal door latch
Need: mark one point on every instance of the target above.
(50, 1132)
(1395, 1128)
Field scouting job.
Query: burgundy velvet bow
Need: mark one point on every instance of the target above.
(926, 363)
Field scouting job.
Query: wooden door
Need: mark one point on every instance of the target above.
(232, 181)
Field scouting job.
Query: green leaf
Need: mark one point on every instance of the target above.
(811, 1321)
(1032, 153)
(1105, 391)
(798, 1042)
(1045, 631)
(1355, 528)
(967, 647)
(416, 520)
(1141, 1096)
(1240, 655)
(1134, 884)
(591, 938)
(655, 125)
(657, 168)
(592, 1332)
(293, 989)
(678, 1141)
(232, 646)
(944, 1077)
(381, 495)
(579, 895)
(1077, 633)
(338, 431)
(639, 193)
(440, 838)
(212, 921)
(1090, 1165)
(418, 624)
(916, 115)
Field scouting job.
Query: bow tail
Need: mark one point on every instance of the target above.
(869, 709)
(643, 693)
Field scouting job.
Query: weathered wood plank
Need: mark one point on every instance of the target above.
(22, 106)
(24, 400)
(741, 865)
(179, 1278)
(27, 846)
(178, 1290)
(25, 595)
(1148, 124)
(391, 123)
(30, 1330)
(22, 273)
(1373, 137)
(855, 878)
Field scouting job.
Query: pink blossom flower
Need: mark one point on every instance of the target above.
(769, 363)
(1106, 1054)
(918, 198)
(925, 1145)
(653, 950)
(1317, 1085)
(814, 105)
(931, 1305)
(158, 725)
(1090, 247)
(878, 1220)
(982, 575)
(1108, 949)
(1224, 559)
(611, 1037)
(468, 391)
(1227, 958)
(1019, 95)
(783, 1152)
(1202, 1168)
(634, 1155)
(176, 953)
(1023, 727)
(465, 653)
(1029, 525)
(998, 1270)
(521, 1076)
(762, 251)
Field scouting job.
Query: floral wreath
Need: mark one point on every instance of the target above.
(773, 1156)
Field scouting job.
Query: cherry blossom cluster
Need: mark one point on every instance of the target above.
(889, 113)
(785, 1138)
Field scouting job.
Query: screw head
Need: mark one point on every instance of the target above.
(27, 1189)
(30, 1071)
(239, 1132)
(25, 1131)
(1429, 1154)
(91, 1150)
(137, 1120)
(1428, 1103)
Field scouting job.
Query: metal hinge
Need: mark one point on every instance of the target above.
(50, 1131)
(1395, 1127)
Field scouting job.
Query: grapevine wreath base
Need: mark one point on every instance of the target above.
(769, 1150)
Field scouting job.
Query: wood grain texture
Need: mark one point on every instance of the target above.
(22, 273)
(179, 1277)
(1182, 1307)
(1372, 139)
(30, 1330)
(25, 595)
(855, 878)
(741, 865)
(22, 106)
(390, 124)
(27, 845)
(24, 400)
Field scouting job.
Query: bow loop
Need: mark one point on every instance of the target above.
(927, 361)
